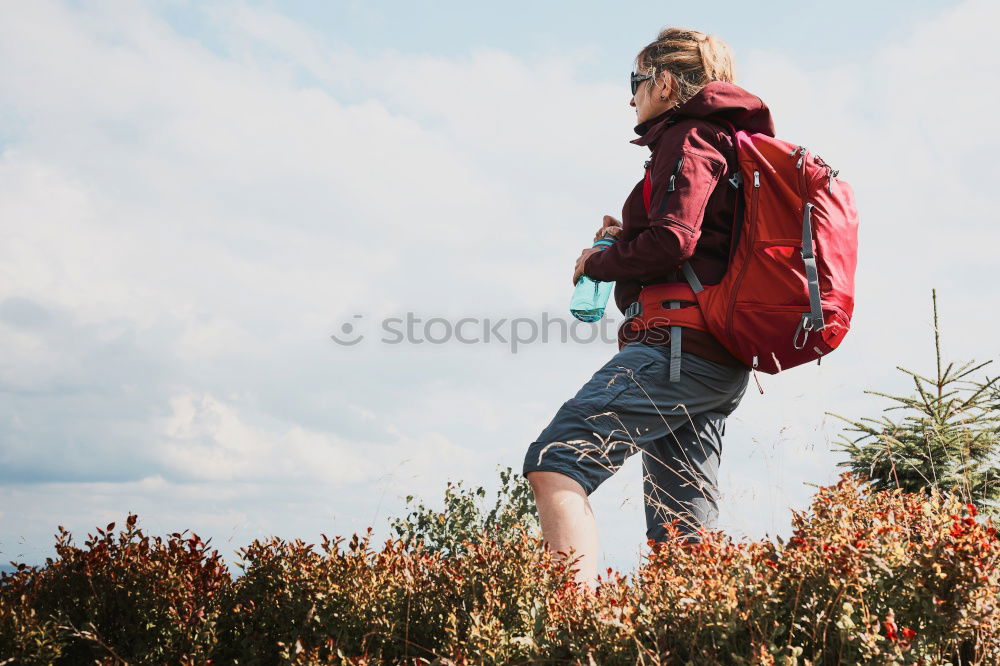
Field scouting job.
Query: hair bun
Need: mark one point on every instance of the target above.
(691, 58)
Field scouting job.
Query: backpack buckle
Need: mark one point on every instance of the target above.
(633, 310)
(736, 180)
(806, 324)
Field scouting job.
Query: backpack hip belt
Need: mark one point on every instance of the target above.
(661, 305)
(655, 307)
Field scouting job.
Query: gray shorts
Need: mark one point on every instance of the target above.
(630, 405)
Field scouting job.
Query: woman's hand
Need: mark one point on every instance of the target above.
(611, 227)
(581, 262)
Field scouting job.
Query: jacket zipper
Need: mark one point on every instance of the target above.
(647, 186)
(753, 239)
(673, 176)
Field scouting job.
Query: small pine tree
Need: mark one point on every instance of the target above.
(949, 438)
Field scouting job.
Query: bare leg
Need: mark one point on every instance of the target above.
(567, 520)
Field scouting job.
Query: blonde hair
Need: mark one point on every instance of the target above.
(691, 58)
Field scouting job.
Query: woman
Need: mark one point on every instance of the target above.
(686, 107)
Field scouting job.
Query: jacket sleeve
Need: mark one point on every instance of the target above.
(686, 168)
(626, 292)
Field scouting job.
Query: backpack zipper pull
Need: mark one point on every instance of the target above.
(802, 156)
(755, 378)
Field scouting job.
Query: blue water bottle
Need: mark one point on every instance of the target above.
(590, 296)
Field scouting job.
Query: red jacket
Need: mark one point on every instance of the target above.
(694, 219)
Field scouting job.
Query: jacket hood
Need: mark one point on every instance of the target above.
(719, 101)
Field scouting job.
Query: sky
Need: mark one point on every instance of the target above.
(194, 196)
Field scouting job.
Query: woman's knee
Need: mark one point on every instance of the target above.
(544, 481)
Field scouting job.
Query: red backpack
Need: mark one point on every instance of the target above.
(788, 294)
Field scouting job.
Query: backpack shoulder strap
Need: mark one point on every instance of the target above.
(736, 181)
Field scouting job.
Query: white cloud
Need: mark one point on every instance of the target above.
(206, 439)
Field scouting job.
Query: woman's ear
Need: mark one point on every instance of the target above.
(665, 86)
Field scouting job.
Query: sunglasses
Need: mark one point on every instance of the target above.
(636, 79)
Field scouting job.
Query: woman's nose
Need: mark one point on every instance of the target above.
(631, 101)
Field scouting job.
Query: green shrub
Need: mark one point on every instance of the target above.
(463, 518)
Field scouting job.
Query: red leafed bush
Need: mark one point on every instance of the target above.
(866, 577)
(124, 597)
